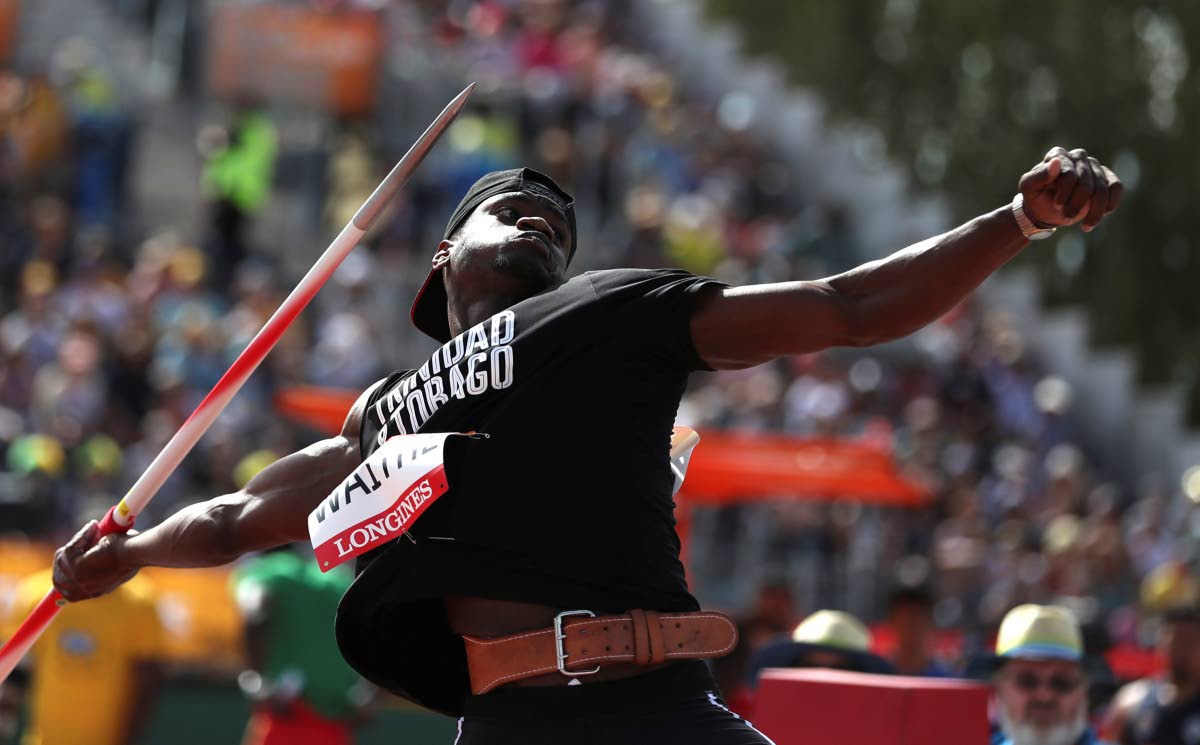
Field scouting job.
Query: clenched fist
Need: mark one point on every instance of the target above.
(1068, 187)
(87, 567)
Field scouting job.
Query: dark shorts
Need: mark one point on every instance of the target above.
(677, 704)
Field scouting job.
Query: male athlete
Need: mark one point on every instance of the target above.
(564, 509)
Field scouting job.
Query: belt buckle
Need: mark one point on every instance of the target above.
(560, 653)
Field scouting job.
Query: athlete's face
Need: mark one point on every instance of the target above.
(513, 242)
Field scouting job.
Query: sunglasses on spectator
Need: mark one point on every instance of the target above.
(1059, 684)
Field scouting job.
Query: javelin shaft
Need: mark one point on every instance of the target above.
(120, 518)
(200, 420)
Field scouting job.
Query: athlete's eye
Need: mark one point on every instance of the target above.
(507, 213)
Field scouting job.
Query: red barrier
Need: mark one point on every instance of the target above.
(832, 707)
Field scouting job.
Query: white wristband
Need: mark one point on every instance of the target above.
(1028, 229)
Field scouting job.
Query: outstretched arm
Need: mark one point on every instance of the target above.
(886, 299)
(272, 509)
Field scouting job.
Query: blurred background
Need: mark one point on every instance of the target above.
(170, 168)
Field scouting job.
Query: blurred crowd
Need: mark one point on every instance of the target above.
(110, 335)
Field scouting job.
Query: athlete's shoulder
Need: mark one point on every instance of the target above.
(639, 281)
(632, 274)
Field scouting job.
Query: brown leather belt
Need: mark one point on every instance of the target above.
(581, 642)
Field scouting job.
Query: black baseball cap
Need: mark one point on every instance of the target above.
(429, 308)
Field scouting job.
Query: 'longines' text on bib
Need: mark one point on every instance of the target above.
(381, 499)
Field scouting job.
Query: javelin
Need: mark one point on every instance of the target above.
(120, 517)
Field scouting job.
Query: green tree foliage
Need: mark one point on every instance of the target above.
(971, 94)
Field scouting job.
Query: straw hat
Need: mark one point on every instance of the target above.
(825, 631)
(833, 628)
(1040, 632)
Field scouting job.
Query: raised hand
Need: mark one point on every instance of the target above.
(1068, 187)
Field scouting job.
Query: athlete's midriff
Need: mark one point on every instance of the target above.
(490, 618)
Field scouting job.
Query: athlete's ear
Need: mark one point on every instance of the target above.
(442, 257)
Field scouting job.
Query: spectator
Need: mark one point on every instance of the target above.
(95, 672)
(101, 133)
(302, 689)
(1164, 709)
(240, 162)
(1039, 680)
(828, 638)
(910, 616)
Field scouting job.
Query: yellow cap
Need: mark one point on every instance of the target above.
(1169, 585)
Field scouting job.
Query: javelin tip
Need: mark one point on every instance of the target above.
(461, 98)
(367, 214)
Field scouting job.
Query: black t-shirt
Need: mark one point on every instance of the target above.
(567, 502)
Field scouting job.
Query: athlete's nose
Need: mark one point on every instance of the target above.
(540, 224)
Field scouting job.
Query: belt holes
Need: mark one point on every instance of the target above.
(676, 625)
(606, 628)
(680, 645)
(626, 647)
(607, 649)
(584, 651)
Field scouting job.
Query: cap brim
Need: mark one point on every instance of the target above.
(429, 308)
(789, 653)
(984, 666)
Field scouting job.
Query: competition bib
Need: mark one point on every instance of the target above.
(381, 499)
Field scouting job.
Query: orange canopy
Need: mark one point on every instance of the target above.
(323, 409)
(734, 467)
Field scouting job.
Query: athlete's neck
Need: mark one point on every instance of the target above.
(463, 314)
